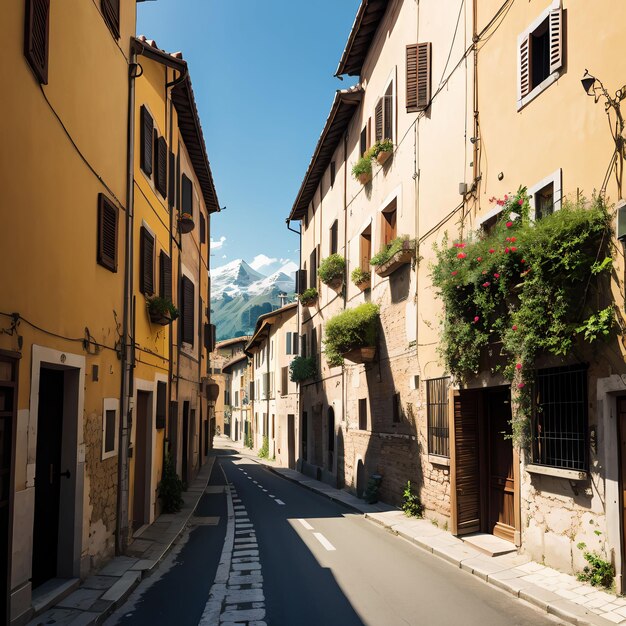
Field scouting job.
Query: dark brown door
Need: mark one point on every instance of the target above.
(291, 441)
(467, 406)
(185, 451)
(142, 470)
(621, 416)
(501, 483)
(174, 431)
(47, 476)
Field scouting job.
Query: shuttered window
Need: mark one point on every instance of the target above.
(378, 120)
(146, 270)
(363, 141)
(165, 276)
(187, 195)
(383, 116)
(147, 129)
(313, 269)
(111, 13)
(107, 233)
(209, 337)
(284, 388)
(171, 183)
(418, 76)
(437, 414)
(202, 229)
(187, 314)
(160, 165)
(300, 281)
(161, 405)
(36, 30)
(334, 231)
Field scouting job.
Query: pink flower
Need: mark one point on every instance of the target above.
(521, 385)
(508, 239)
(500, 202)
(518, 366)
(484, 272)
(486, 284)
(520, 202)
(491, 250)
(454, 273)
(479, 259)
(476, 319)
(514, 327)
(496, 275)
(509, 224)
(506, 250)
(461, 255)
(506, 197)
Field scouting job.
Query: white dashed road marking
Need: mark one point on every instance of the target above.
(279, 501)
(306, 524)
(329, 546)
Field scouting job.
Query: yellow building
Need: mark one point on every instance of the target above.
(64, 180)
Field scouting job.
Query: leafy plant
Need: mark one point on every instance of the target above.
(247, 440)
(359, 276)
(370, 495)
(599, 573)
(264, 450)
(362, 166)
(302, 368)
(393, 247)
(170, 487)
(411, 504)
(382, 145)
(309, 296)
(162, 306)
(331, 268)
(352, 328)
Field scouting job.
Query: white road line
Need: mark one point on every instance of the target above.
(255, 482)
(279, 501)
(305, 524)
(329, 546)
(264, 489)
(271, 496)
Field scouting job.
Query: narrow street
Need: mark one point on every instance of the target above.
(316, 564)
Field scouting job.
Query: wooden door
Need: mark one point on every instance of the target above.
(141, 485)
(465, 462)
(621, 417)
(500, 473)
(291, 441)
(47, 476)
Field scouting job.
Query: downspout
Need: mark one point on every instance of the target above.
(172, 207)
(344, 392)
(267, 395)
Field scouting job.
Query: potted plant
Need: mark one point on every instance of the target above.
(171, 487)
(393, 255)
(361, 278)
(352, 335)
(302, 368)
(362, 169)
(331, 270)
(161, 310)
(382, 150)
(309, 297)
(185, 223)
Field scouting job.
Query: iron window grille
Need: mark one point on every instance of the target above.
(560, 418)
(437, 411)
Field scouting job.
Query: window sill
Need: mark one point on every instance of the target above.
(542, 86)
(557, 472)
(435, 459)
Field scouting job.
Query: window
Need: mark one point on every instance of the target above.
(36, 37)
(546, 195)
(187, 195)
(383, 116)
(418, 76)
(389, 228)
(362, 413)
(560, 417)
(146, 253)
(396, 408)
(363, 141)
(161, 405)
(284, 383)
(303, 345)
(145, 151)
(313, 269)
(187, 316)
(160, 164)
(209, 337)
(365, 252)
(165, 276)
(251, 392)
(292, 343)
(332, 173)
(334, 231)
(314, 342)
(266, 385)
(111, 13)
(271, 349)
(226, 397)
(202, 229)
(107, 233)
(110, 426)
(540, 54)
(437, 414)
(271, 384)
(301, 281)
(236, 398)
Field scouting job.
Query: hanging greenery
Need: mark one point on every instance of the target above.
(352, 328)
(531, 286)
(302, 368)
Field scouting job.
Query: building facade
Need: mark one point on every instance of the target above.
(239, 396)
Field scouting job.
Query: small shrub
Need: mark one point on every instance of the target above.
(411, 504)
(302, 368)
(370, 495)
(170, 487)
(399, 243)
(163, 306)
(309, 296)
(362, 166)
(264, 450)
(599, 573)
(359, 276)
(331, 268)
(352, 328)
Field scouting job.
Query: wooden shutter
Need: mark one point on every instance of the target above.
(165, 276)
(300, 281)
(111, 13)
(524, 67)
(209, 337)
(288, 346)
(388, 113)
(313, 268)
(161, 405)
(378, 120)
(160, 158)
(147, 129)
(294, 347)
(284, 390)
(187, 195)
(107, 233)
(556, 39)
(146, 271)
(187, 330)
(202, 229)
(332, 173)
(363, 140)
(418, 76)
(37, 28)
(171, 183)
(466, 479)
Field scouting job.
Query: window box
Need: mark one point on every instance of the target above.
(352, 334)
(161, 310)
(397, 260)
(362, 279)
(557, 472)
(185, 223)
(332, 270)
(364, 354)
(383, 156)
(309, 297)
(365, 178)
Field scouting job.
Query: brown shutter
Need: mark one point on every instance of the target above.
(107, 233)
(187, 330)
(111, 13)
(300, 281)
(147, 128)
(423, 75)
(165, 276)
(556, 39)
(387, 114)
(524, 67)
(187, 195)
(171, 184)
(36, 29)
(160, 157)
(378, 121)
(161, 405)
(411, 78)
(146, 271)
(284, 390)
(202, 229)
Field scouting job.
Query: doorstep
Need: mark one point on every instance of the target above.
(490, 544)
(52, 592)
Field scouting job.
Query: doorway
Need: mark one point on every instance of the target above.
(331, 437)
(291, 441)
(143, 461)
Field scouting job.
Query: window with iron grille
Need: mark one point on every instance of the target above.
(560, 417)
(437, 411)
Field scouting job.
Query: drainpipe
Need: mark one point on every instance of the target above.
(344, 393)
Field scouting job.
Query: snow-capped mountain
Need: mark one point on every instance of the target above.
(239, 294)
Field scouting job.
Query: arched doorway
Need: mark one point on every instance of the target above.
(360, 478)
(331, 437)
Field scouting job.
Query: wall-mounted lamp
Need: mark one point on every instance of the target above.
(588, 81)
(473, 139)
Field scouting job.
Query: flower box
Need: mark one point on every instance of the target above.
(400, 258)
(383, 156)
(185, 223)
(158, 317)
(364, 354)
(335, 283)
(364, 284)
(365, 178)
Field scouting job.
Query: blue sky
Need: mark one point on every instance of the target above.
(262, 74)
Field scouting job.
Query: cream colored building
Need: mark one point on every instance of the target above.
(239, 393)
(472, 115)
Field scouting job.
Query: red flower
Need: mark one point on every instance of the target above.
(476, 319)
(522, 261)
(514, 327)
(479, 259)
(496, 275)
(520, 202)
(508, 239)
(513, 239)
(518, 366)
(454, 273)
(509, 224)
(514, 249)
(486, 284)
(506, 197)
(506, 250)
(491, 250)
(521, 385)
(461, 255)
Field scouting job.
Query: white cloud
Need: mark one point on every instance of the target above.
(216, 245)
(261, 260)
(224, 256)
